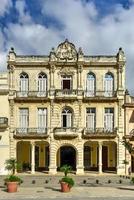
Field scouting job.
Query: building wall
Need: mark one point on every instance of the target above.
(4, 112)
(54, 67)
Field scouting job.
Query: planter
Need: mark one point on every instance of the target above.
(65, 187)
(12, 186)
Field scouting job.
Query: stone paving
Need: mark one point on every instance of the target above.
(82, 190)
(76, 192)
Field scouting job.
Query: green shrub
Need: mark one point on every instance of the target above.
(13, 178)
(132, 180)
(68, 180)
(12, 165)
(66, 169)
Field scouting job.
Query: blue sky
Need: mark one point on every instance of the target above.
(98, 26)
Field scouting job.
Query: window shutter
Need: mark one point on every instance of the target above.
(42, 119)
(24, 119)
(69, 120)
(91, 121)
(90, 85)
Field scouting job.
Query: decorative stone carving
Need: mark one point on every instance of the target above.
(120, 68)
(66, 52)
(52, 69)
(11, 68)
(66, 71)
(11, 108)
(80, 68)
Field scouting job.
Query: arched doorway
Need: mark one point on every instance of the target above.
(67, 155)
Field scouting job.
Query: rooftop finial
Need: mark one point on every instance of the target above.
(121, 55)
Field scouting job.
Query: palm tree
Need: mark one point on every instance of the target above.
(66, 169)
(12, 165)
(129, 147)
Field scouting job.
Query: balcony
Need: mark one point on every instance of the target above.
(61, 132)
(31, 133)
(60, 94)
(99, 133)
(31, 95)
(3, 122)
(100, 95)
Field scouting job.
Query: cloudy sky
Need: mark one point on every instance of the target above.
(98, 26)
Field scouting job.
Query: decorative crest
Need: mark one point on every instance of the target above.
(66, 51)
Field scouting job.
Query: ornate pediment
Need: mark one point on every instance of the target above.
(66, 51)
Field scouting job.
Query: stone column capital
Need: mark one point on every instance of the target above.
(32, 143)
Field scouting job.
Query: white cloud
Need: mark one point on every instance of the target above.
(5, 6)
(80, 24)
(96, 36)
(3, 60)
(24, 16)
(31, 38)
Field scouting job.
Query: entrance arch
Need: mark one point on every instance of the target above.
(66, 155)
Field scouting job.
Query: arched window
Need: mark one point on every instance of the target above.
(109, 84)
(91, 82)
(24, 84)
(42, 84)
(66, 118)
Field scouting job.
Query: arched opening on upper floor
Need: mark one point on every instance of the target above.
(109, 84)
(24, 83)
(91, 84)
(42, 84)
(67, 117)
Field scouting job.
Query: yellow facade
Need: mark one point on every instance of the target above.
(66, 99)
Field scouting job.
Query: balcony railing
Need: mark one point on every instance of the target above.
(66, 132)
(65, 93)
(31, 132)
(100, 132)
(31, 94)
(3, 122)
(106, 94)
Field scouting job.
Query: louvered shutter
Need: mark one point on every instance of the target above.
(24, 120)
(91, 121)
(90, 85)
(42, 119)
(69, 120)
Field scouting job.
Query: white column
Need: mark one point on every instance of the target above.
(32, 158)
(100, 157)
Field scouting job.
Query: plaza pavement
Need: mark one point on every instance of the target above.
(79, 193)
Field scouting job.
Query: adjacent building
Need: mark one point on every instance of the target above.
(65, 108)
(129, 129)
(4, 121)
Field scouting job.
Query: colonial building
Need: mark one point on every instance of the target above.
(67, 108)
(4, 123)
(129, 129)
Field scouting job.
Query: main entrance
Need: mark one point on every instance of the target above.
(68, 156)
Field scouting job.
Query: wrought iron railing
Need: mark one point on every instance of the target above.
(3, 121)
(91, 94)
(65, 92)
(100, 131)
(23, 94)
(65, 129)
(30, 131)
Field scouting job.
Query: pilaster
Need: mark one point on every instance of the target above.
(80, 160)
